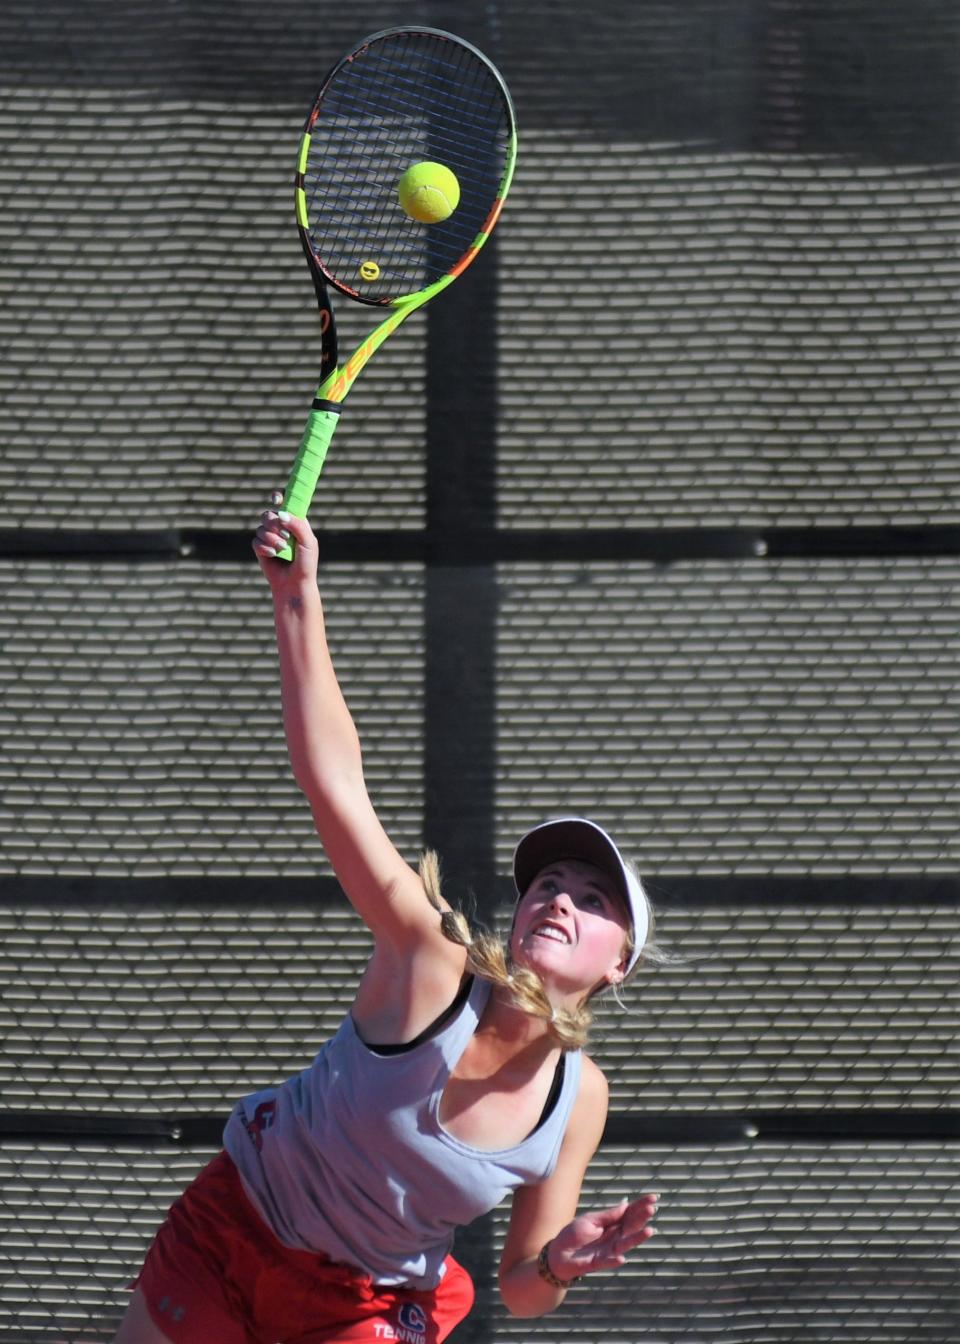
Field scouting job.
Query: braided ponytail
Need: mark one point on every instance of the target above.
(487, 958)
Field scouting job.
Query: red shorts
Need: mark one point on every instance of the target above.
(215, 1272)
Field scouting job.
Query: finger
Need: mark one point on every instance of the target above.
(627, 1243)
(265, 550)
(303, 534)
(606, 1218)
(612, 1257)
(269, 544)
(608, 1262)
(271, 529)
(642, 1200)
(640, 1211)
(616, 1259)
(625, 1231)
(629, 1227)
(618, 1242)
(276, 529)
(276, 498)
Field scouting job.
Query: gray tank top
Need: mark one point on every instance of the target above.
(349, 1157)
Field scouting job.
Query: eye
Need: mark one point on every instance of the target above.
(595, 902)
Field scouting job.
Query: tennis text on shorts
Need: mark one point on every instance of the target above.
(411, 1327)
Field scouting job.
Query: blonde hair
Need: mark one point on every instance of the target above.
(487, 957)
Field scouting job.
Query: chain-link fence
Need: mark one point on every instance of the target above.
(654, 516)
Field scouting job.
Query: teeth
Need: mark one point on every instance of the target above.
(555, 934)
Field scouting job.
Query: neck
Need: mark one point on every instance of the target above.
(511, 1025)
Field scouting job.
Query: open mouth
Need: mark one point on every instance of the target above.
(553, 932)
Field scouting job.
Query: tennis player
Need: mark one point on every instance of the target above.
(456, 1079)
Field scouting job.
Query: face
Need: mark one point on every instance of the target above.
(570, 928)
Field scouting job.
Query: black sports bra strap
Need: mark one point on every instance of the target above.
(463, 993)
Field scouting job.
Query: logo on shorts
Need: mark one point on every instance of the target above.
(413, 1318)
(411, 1327)
(177, 1313)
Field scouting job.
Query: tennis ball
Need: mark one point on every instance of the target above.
(429, 192)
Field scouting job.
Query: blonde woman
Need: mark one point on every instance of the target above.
(457, 1078)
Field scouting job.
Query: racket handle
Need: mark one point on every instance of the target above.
(307, 465)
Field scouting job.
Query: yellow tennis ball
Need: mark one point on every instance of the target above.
(429, 192)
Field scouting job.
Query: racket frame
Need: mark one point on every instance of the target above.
(335, 384)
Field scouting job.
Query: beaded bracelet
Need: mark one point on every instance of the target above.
(545, 1272)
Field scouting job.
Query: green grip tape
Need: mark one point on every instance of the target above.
(307, 466)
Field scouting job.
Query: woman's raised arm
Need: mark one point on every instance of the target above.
(325, 750)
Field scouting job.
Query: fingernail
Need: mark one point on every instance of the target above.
(285, 534)
(284, 517)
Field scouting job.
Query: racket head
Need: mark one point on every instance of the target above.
(404, 96)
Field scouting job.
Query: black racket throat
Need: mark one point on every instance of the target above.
(329, 347)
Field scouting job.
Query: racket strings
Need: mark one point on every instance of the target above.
(459, 113)
(399, 102)
(452, 100)
(403, 126)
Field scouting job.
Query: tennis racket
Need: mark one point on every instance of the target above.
(404, 97)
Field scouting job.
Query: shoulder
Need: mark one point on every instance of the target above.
(589, 1114)
(593, 1081)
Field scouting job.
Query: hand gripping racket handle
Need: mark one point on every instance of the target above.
(307, 465)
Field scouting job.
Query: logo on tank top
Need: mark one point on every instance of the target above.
(411, 1327)
(263, 1118)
